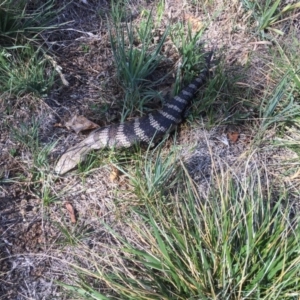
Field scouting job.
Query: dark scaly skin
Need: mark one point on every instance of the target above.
(141, 130)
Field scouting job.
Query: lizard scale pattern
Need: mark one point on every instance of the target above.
(139, 130)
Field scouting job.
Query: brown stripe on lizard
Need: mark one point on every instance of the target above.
(140, 130)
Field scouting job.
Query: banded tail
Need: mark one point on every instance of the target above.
(140, 130)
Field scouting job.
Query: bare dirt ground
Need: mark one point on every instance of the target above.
(34, 250)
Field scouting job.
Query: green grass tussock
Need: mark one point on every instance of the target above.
(238, 243)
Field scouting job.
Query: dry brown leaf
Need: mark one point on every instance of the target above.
(233, 136)
(295, 175)
(80, 123)
(194, 22)
(114, 175)
(71, 211)
(58, 125)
